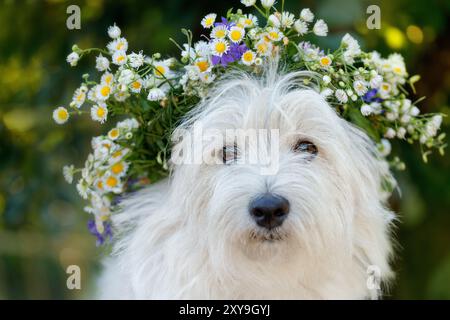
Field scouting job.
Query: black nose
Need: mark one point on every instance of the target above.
(269, 210)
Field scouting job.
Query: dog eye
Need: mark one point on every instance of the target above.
(229, 154)
(306, 146)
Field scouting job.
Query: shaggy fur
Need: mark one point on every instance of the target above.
(191, 236)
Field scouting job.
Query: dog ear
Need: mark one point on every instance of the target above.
(373, 221)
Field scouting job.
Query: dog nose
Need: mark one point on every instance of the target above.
(269, 210)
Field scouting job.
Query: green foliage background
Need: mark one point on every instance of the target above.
(42, 225)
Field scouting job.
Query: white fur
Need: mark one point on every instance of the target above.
(189, 236)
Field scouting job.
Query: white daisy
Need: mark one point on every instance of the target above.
(263, 47)
(126, 76)
(248, 57)
(219, 47)
(136, 86)
(301, 27)
(320, 28)
(107, 78)
(156, 94)
(136, 60)
(274, 20)
(112, 183)
(249, 21)
(360, 87)
(325, 61)
(162, 69)
(68, 172)
(208, 20)
(202, 49)
(366, 110)
(79, 97)
(114, 31)
(99, 112)
(119, 169)
(274, 34)
(83, 188)
(219, 32)
(60, 115)
(236, 34)
(341, 95)
(73, 58)
(102, 91)
(307, 15)
(114, 133)
(119, 57)
(119, 44)
(101, 63)
(287, 19)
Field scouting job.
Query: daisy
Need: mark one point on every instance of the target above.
(120, 44)
(236, 34)
(206, 77)
(119, 169)
(102, 91)
(126, 76)
(121, 96)
(156, 94)
(248, 58)
(112, 183)
(360, 87)
(202, 49)
(99, 112)
(219, 32)
(114, 31)
(287, 19)
(249, 21)
(274, 20)
(136, 86)
(79, 97)
(68, 172)
(107, 78)
(202, 65)
(341, 95)
(307, 15)
(114, 133)
(73, 58)
(301, 27)
(263, 47)
(119, 58)
(136, 60)
(208, 20)
(219, 47)
(325, 61)
(385, 89)
(83, 188)
(320, 28)
(60, 115)
(274, 34)
(161, 69)
(101, 63)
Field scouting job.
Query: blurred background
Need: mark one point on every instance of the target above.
(42, 224)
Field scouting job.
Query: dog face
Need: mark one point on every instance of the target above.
(322, 189)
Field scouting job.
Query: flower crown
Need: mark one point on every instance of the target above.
(364, 88)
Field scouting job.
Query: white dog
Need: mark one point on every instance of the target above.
(311, 230)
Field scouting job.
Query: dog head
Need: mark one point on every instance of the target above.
(307, 187)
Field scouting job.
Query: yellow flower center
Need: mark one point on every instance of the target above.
(120, 58)
(101, 112)
(62, 114)
(398, 70)
(202, 65)
(262, 47)
(273, 35)
(236, 35)
(108, 79)
(248, 22)
(136, 85)
(221, 47)
(160, 70)
(105, 91)
(117, 154)
(100, 185)
(220, 33)
(385, 87)
(117, 168)
(209, 21)
(325, 61)
(120, 45)
(114, 133)
(248, 56)
(111, 182)
(80, 97)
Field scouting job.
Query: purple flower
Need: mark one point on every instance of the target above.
(233, 54)
(370, 96)
(225, 23)
(101, 237)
